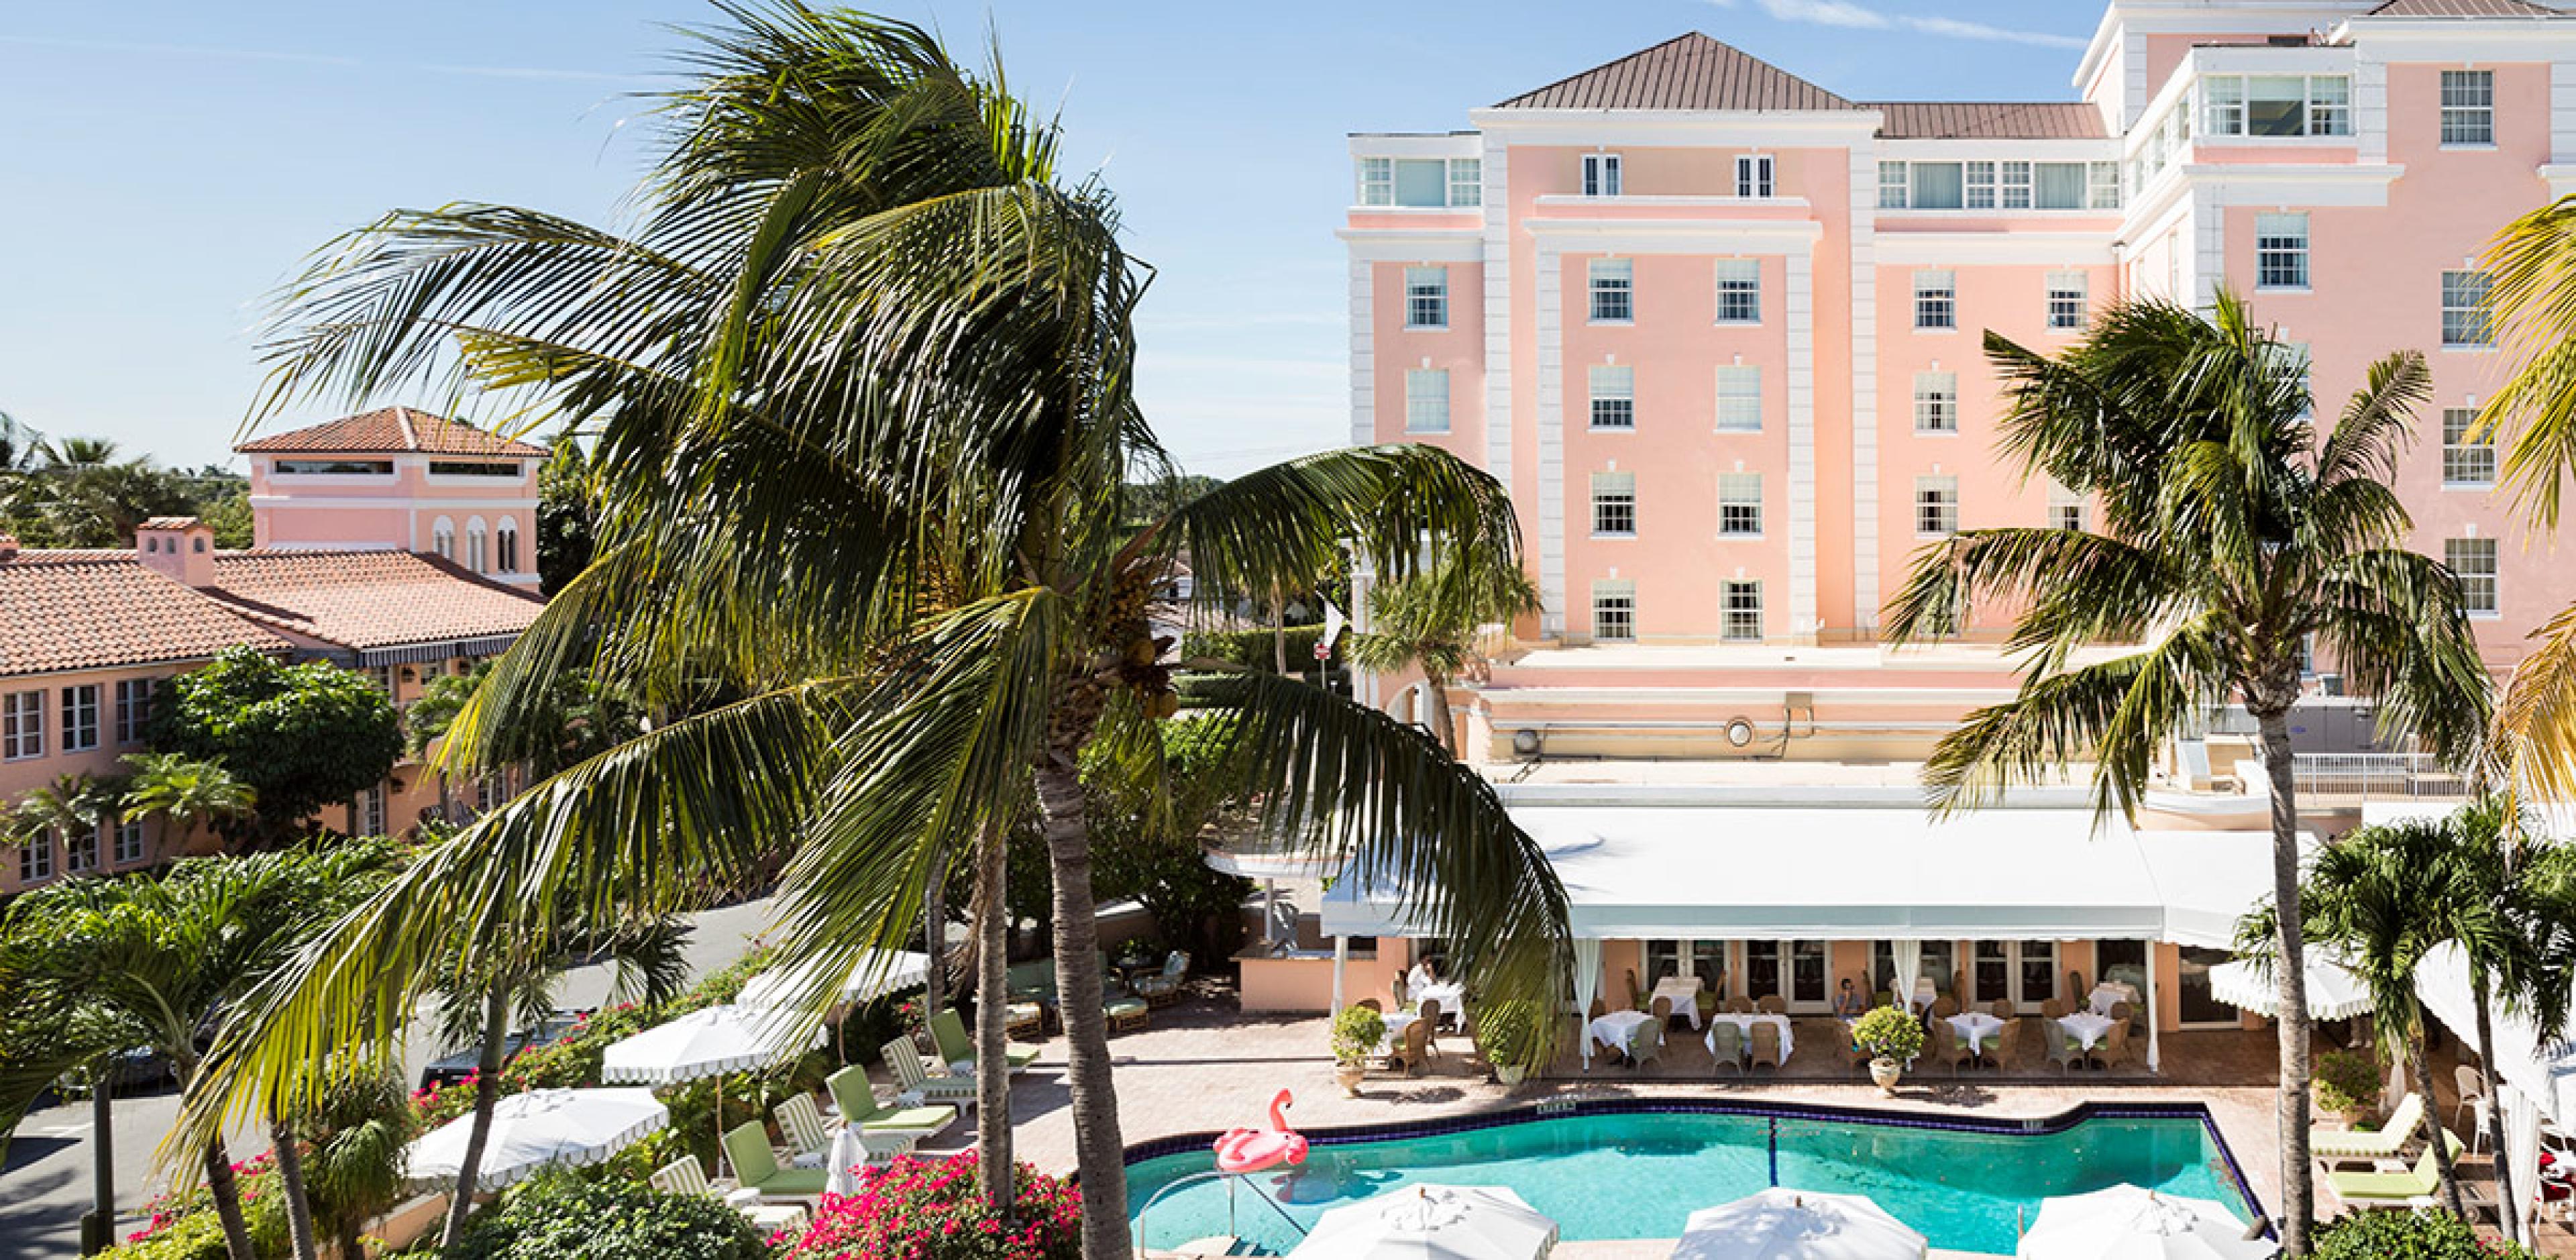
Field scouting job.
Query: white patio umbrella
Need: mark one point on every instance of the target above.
(535, 1130)
(1428, 1222)
(712, 1041)
(2129, 1223)
(877, 973)
(1781, 1224)
(2333, 993)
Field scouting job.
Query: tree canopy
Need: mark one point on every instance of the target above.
(302, 736)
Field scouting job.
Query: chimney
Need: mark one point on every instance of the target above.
(180, 548)
(8, 547)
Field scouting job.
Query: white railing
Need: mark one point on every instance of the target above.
(2374, 776)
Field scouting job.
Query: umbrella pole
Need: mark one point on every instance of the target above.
(723, 1164)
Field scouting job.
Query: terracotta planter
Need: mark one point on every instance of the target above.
(1883, 1073)
(1350, 1075)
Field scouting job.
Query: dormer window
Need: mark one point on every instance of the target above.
(1422, 183)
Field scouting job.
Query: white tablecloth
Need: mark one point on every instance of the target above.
(2109, 992)
(1396, 1022)
(1978, 1026)
(1450, 994)
(2088, 1027)
(1616, 1029)
(1745, 1023)
(1684, 991)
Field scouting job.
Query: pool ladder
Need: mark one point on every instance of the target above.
(1233, 1182)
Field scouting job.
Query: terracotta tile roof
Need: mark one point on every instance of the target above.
(171, 522)
(2463, 9)
(391, 431)
(1990, 120)
(368, 599)
(1686, 72)
(65, 610)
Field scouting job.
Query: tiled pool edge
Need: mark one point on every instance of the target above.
(1562, 1108)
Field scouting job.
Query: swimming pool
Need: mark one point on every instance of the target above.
(1634, 1168)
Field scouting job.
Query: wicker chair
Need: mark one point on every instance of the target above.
(2052, 1010)
(1766, 1047)
(1727, 1042)
(1772, 1004)
(1431, 1020)
(1647, 1042)
(1854, 1057)
(1663, 1011)
(2000, 1009)
(2007, 1045)
(1960, 1052)
(1944, 1007)
(1416, 1048)
(2114, 1048)
(1373, 1004)
(2063, 1049)
(1739, 1006)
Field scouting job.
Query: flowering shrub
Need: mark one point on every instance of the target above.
(184, 1226)
(569, 1217)
(1889, 1033)
(927, 1209)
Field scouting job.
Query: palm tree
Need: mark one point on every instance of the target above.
(2230, 537)
(91, 968)
(862, 378)
(72, 805)
(358, 1131)
(2529, 886)
(1431, 623)
(184, 792)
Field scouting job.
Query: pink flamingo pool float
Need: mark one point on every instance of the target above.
(1251, 1150)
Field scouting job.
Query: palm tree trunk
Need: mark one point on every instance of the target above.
(2434, 1133)
(934, 938)
(487, 1095)
(102, 1170)
(1099, 1152)
(2509, 1213)
(290, 1174)
(2298, 1177)
(226, 1192)
(1443, 727)
(994, 1174)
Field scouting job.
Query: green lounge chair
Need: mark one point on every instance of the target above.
(948, 1032)
(687, 1176)
(914, 1082)
(2417, 1187)
(883, 1130)
(756, 1167)
(2387, 1142)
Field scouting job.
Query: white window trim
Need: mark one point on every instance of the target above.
(1602, 168)
(1761, 509)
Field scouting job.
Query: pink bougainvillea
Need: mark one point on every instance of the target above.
(927, 1209)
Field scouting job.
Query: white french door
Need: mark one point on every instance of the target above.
(2023, 973)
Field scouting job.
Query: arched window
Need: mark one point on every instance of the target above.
(442, 538)
(475, 555)
(508, 539)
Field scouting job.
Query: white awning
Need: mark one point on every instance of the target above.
(2546, 1073)
(2333, 993)
(1875, 872)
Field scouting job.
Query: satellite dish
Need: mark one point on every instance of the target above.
(1739, 732)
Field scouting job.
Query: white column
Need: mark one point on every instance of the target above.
(2155, 1013)
(1802, 447)
(1341, 960)
(1270, 913)
(1556, 616)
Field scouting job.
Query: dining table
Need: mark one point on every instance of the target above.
(1684, 992)
(1396, 1022)
(1450, 994)
(2110, 993)
(1616, 1030)
(2087, 1028)
(1745, 1022)
(1978, 1027)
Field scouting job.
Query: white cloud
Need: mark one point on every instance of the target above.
(1852, 16)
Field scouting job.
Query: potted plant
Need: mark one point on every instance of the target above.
(2347, 1085)
(1891, 1036)
(1510, 1035)
(1357, 1031)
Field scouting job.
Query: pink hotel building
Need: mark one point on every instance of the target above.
(1719, 328)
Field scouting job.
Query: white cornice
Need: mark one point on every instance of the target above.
(2206, 17)
(1673, 127)
(2074, 249)
(2561, 177)
(1451, 144)
(2292, 184)
(2058, 150)
(1679, 236)
(2456, 39)
(1675, 200)
(1389, 245)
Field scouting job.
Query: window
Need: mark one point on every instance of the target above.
(2466, 462)
(507, 539)
(1426, 297)
(1466, 182)
(2017, 182)
(1936, 185)
(1739, 505)
(1753, 175)
(2067, 299)
(1426, 400)
(2102, 183)
(1891, 186)
(489, 793)
(333, 467)
(2473, 562)
(1936, 402)
(1937, 962)
(383, 677)
(474, 552)
(1377, 181)
(1432, 183)
(1801, 981)
(1614, 505)
(1936, 300)
(22, 725)
(442, 538)
(1612, 282)
(80, 717)
(2065, 509)
(1614, 611)
(1739, 290)
(1614, 397)
(129, 842)
(1421, 182)
(477, 468)
(36, 859)
(1600, 174)
(80, 852)
(371, 811)
(1739, 399)
(1936, 506)
(1981, 185)
(2280, 251)
(134, 708)
(2464, 309)
(1705, 959)
(1742, 616)
(2468, 107)
(2276, 105)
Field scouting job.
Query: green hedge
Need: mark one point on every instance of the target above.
(569, 1217)
(1254, 649)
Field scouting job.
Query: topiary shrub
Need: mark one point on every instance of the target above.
(927, 1209)
(566, 1217)
(1889, 1033)
(2410, 1236)
(1356, 1034)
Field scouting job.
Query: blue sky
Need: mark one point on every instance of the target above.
(165, 165)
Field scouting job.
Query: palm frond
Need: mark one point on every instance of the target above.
(2531, 301)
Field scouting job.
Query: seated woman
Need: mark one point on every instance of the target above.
(1850, 1003)
(1418, 978)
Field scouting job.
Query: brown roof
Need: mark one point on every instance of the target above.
(1990, 120)
(1686, 72)
(2462, 9)
(392, 431)
(369, 599)
(66, 610)
(173, 522)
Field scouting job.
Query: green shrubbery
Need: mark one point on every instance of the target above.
(1889, 1033)
(1254, 649)
(2347, 1081)
(2410, 1236)
(569, 1217)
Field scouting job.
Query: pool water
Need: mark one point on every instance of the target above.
(1641, 1175)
